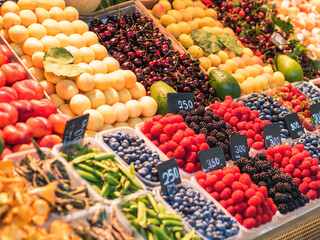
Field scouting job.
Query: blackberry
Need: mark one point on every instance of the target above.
(221, 124)
(209, 113)
(214, 132)
(291, 206)
(207, 119)
(255, 178)
(183, 113)
(195, 127)
(265, 177)
(276, 178)
(249, 170)
(204, 131)
(241, 162)
(296, 204)
(216, 117)
(283, 208)
(220, 136)
(305, 198)
(188, 119)
(226, 148)
(262, 184)
(295, 185)
(287, 187)
(195, 119)
(203, 125)
(212, 141)
(210, 127)
(261, 156)
(271, 192)
(215, 125)
(200, 110)
(280, 187)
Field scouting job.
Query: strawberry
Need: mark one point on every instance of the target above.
(288, 105)
(302, 98)
(284, 90)
(297, 108)
(296, 92)
(296, 102)
(308, 124)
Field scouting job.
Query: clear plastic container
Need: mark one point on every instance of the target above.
(187, 183)
(93, 144)
(125, 222)
(147, 140)
(246, 232)
(99, 137)
(75, 179)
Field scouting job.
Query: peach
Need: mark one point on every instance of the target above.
(40, 126)
(257, 60)
(49, 141)
(158, 10)
(59, 122)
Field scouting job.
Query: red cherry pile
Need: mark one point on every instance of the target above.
(294, 99)
(297, 163)
(243, 120)
(176, 139)
(243, 199)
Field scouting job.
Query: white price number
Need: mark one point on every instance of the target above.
(316, 118)
(274, 141)
(240, 149)
(79, 133)
(294, 126)
(213, 162)
(184, 104)
(170, 176)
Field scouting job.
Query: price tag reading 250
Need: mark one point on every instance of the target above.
(169, 174)
(180, 101)
(212, 159)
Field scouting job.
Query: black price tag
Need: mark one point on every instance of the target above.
(315, 113)
(180, 101)
(272, 136)
(169, 174)
(294, 125)
(212, 159)
(278, 40)
(75, 128)
(239, 146)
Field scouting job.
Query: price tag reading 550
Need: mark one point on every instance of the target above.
(212, 159)
(180, 101)
(169, 175)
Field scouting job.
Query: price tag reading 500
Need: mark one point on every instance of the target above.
(169, 175)
(180, 101)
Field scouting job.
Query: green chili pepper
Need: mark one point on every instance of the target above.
(130, 177)
(87, 175)
(142, 213)
(104, 156)
(153, 203)
(165, 216)
(172, 223)
(83, 158)
(159, 233)
(89, 169)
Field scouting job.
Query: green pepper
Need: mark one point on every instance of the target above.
(83, 158)
(142, 213)
(153, 203)
(89, 169)
(104, 156)
(87, 175)
(159, 233)
(130, 177)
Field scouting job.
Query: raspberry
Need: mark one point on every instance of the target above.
(259, 210)
(169, 154)
(225, 194)
(241, 125)
(163, 138)
(215, 195)
(211, 180)
(251, 133)
(221, 111)
(305, 173)
(148, 124)
(231, 210)
(241, 207)
(228, 179)
(209, 189)
(202, 175)
(244, 118)
(200, 138)
(315, 162)
(300, 147)
(237, 113)
(172, 145)
(254, 201)
(156, 142)
(237, 196)
(234, 121)
(157, 118)
(306, 180)
(264, 191)
(287, 153)
(250, 193)
(230, 202)
(278, 157)
(156, 130)
(314, 170)
(256, 127)
(189, 132)
(285, 162)
(219, 186)
(227, 117)
(258, 219)
(245, 179)
(249, 126)
(223, 203)
(168, 129)
(304, 187)
(164, 121)
(297, 180)
(258, 145)
(237, 186)
(250, 212)
(305, 165)
(191, 157)
(289, 168)
(234, 104)
(197, 166)
(296, 173)
(204, 146)
(312, 194)
(185, 142)
(189, 167)
(249, 223)
(314, 185)
(180, 162)
(250, 142)
(202, 183)
(239, 218)
(177, 137)
(258, 138)
(295, 161)
(177, 118)
(179, 152)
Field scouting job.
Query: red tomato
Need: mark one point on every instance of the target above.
(8, 94)
(29, 89)
(14, 72)
(8, 114)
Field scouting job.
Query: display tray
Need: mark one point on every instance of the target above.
(99, 137)
(93, 144)
(187, 183)
(75, 179)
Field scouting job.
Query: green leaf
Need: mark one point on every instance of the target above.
(285, 26)
(316, 64)
(230, 42)
(61, 62)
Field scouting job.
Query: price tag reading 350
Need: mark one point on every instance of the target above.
(239, 146)
(315, 113)
(212, 159)
(180, 101)
(271, 133)
(169, 174)
(294, 125)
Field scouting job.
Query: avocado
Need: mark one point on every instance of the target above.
(224, 83)
(290, 68)
(159, 91)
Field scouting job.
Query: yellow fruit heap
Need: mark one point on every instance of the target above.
(111, 96)
(183, 16)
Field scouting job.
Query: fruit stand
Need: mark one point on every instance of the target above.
(181, 119)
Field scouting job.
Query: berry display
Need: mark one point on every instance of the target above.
(310, 91)
(296, 162)
(176, 139)
(217, 132)
(244, 200)
(139, 46)
(269, 109)
(134, 150)
(243, 120)
(282, 189)
(200, 213)
(311, 144)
